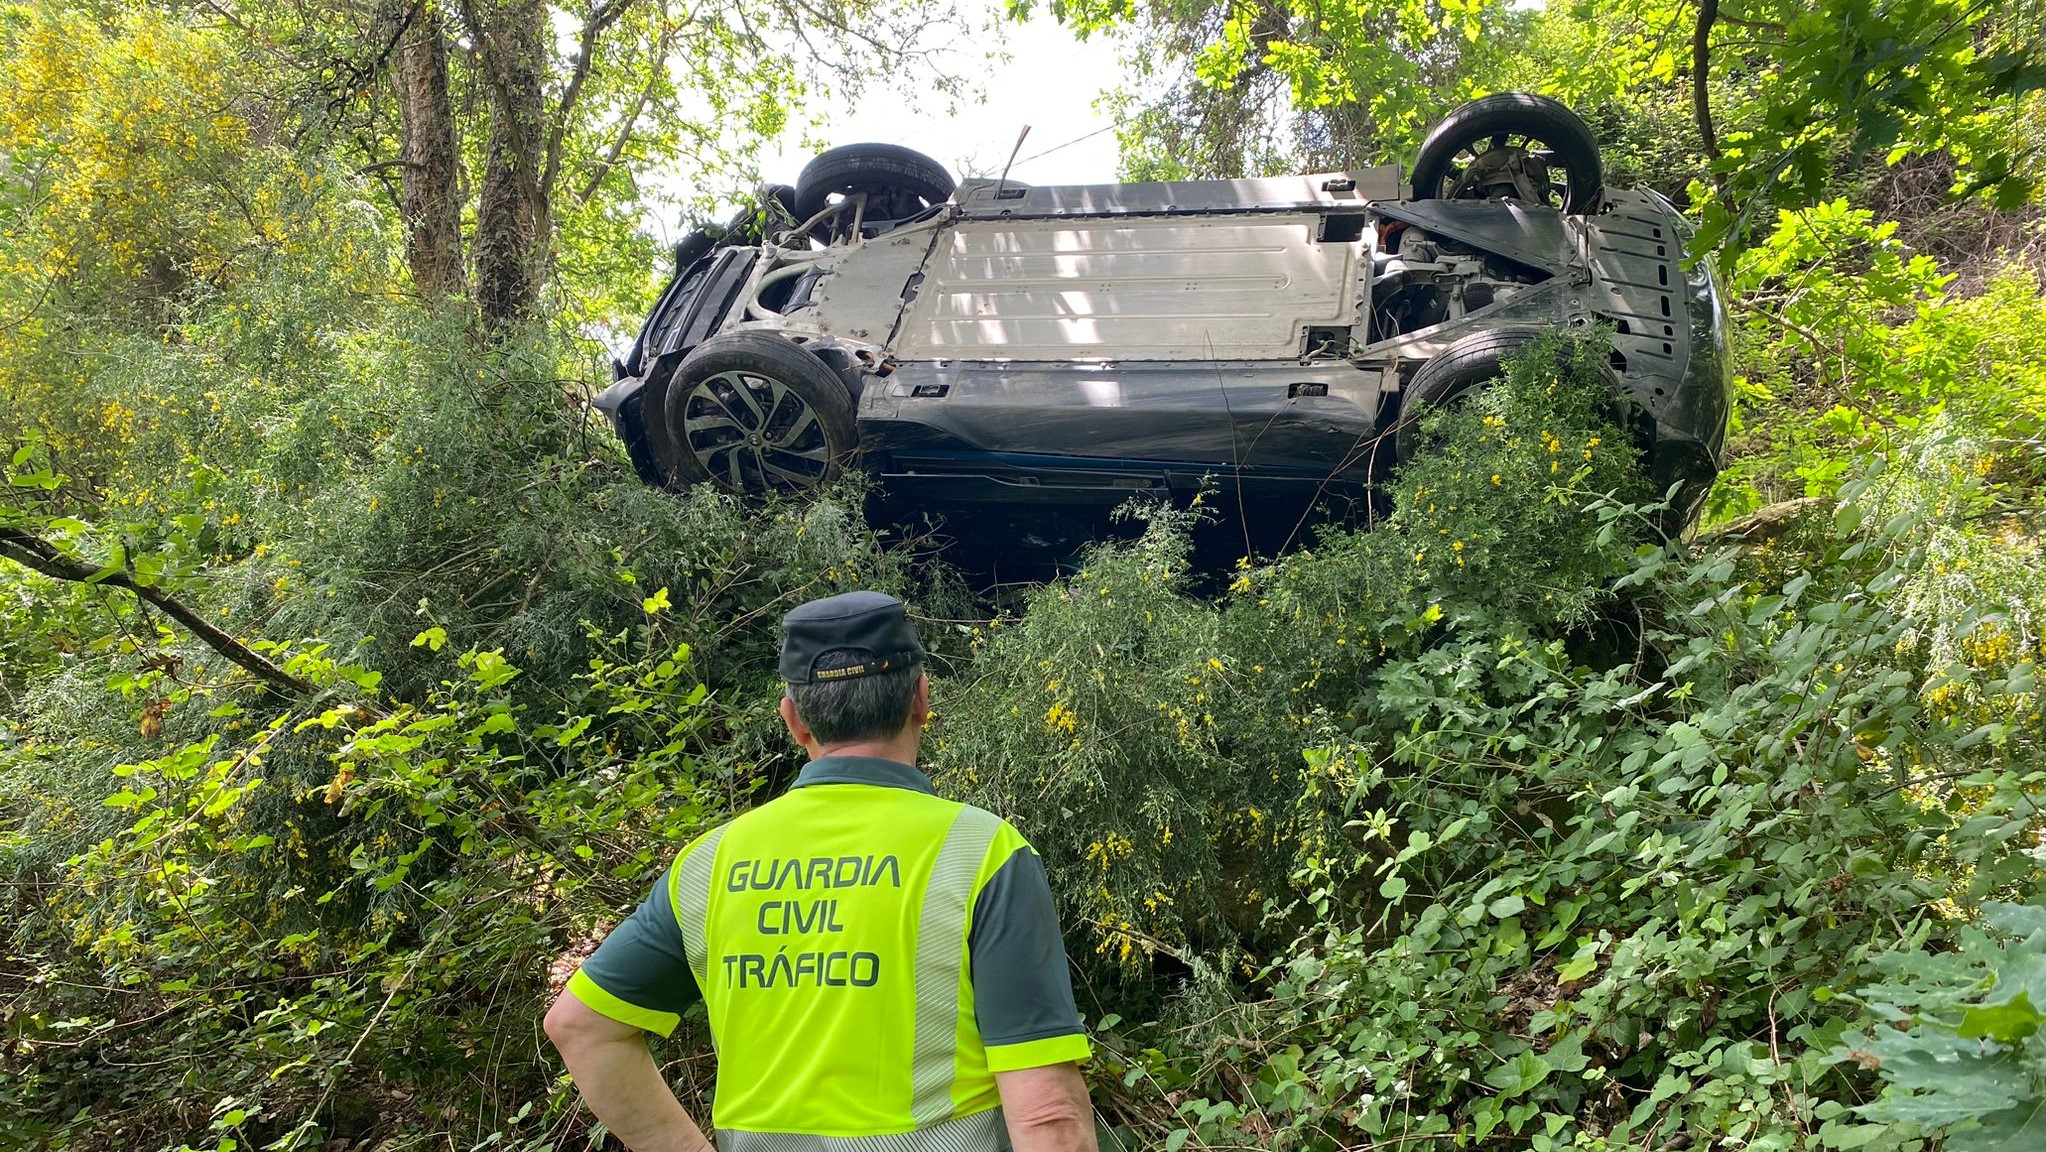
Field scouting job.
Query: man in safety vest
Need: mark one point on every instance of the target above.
(882, 967)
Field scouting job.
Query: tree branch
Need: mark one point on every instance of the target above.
(602, 17)
(483, 45)
(624, 137)
(1701, 95)
(1742, 22)
(352, 78)
(1764, 524)
(40, 555)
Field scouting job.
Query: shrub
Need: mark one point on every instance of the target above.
(1148, 740)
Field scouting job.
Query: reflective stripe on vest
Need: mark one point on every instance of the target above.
(941, 962)
(689, 895)
(980, 1132)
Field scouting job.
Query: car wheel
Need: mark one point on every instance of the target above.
(897, 181)
(1512, 144)
(660, 440)
(752, 413)
(1455, 372)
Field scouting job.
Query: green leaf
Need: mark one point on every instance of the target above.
(1844, 1137)
(1393, 888)
(1519, 1075)
(573, 732)
(2007, 1023)
(1567, 1054)
(1580, 965)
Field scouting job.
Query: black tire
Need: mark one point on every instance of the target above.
(751, 413)
(1463, 367)
(1453, 149)
(899, 182)
(658, 441)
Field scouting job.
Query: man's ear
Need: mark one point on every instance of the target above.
(798, 730)
(920, 704)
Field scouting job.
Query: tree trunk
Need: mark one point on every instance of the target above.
(430, 155)
(513, 220)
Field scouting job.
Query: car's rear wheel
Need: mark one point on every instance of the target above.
(1451, 375)
(898, 182)
(1512, 144)
(752, 413)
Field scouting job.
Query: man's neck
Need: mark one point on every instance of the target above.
(900, 751)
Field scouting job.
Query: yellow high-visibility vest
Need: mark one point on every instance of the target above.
(828, 934)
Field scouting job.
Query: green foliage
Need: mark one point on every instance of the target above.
(1852, 343)
(306, 893)
(1794, 92)
(1596, 898)
(1505, 823)
(1954, 1038)
(1219, 91)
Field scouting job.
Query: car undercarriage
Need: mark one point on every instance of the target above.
(1017, 362)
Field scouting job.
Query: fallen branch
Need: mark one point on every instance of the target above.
(1764, 524)
(40, 555)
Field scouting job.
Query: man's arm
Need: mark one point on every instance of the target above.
(620, 1082)
(1023, 1004)
(1047, 1109)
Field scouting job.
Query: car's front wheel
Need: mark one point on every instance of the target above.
(1513, 144)
(752, 413)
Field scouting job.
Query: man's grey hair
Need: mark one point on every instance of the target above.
(873, 707)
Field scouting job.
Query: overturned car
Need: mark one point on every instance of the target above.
(1021, 360)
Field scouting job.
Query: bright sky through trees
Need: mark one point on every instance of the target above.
(1049, 82)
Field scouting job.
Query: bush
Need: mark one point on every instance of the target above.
(1506, 821)
(1582, 866)
(1148, 740)
(340, 920)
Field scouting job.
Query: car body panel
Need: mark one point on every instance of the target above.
(860, 293)
(1242, 414)
(1532, 235)
(1146, 288)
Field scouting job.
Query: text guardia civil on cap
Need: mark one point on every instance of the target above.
(847, 635)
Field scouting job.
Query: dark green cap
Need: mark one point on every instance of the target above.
(847, 635)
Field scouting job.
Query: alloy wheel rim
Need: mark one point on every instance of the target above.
(752, 432)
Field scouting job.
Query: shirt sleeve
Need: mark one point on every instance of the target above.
(640, 974)
(1022, 991)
